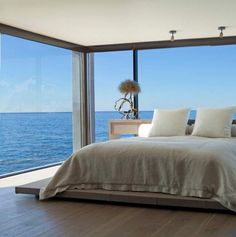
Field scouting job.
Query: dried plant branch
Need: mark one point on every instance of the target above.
(129, 86)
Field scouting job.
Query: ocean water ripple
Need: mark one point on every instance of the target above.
(29, 140)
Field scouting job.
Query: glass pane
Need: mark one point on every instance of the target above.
(187, 77)
(110, 69)
(35, 104)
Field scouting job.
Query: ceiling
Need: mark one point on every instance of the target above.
(100, 22)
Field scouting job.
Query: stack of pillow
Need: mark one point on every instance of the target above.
(214, 123)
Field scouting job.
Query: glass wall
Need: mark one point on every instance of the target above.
(110, 69)
(35, 104)
(192, 77)
(36, 93)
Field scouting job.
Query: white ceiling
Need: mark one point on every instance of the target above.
(98, 22)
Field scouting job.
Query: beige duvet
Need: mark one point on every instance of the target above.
(187, 166)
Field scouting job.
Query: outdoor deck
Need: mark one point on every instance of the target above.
(28, 177)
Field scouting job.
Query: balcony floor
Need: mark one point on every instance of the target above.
(24, 215)
(28, 177)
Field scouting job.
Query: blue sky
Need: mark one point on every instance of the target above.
(36, 77)
(188, 77)
(171, 78)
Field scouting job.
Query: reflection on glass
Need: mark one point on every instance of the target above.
(35, 104)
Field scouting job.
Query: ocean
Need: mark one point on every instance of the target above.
(29, 140)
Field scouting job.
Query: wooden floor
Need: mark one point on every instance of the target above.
(23, 215)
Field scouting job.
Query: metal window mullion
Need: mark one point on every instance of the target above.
(84, 102)
(76, 108)
(90, 99)
(135, 78)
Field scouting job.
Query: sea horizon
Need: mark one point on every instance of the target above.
(33, 139)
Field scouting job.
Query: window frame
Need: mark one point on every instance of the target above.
(85, 74)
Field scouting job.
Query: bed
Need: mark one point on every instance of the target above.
(159, 168)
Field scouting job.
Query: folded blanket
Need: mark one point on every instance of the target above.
(187, 166)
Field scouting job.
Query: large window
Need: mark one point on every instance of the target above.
(36, 93)
(35, 104)
(192, 77)
(109, 70)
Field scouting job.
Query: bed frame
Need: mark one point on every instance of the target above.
(157, 199)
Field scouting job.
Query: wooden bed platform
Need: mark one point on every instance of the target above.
(158, 199)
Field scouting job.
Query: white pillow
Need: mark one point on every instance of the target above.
(213, 122)
(169, 122)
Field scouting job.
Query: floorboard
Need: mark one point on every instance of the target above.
(25, 216)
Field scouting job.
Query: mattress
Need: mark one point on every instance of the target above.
(181, 165)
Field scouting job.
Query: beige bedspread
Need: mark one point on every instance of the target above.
(187, 166)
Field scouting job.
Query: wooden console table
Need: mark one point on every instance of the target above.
(120, 127)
